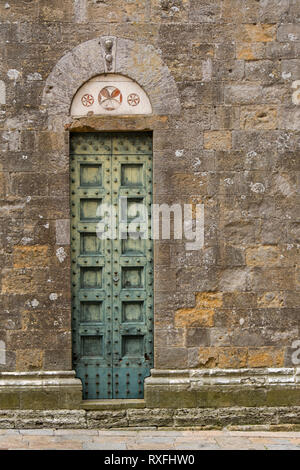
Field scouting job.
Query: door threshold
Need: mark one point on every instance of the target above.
(113, 404)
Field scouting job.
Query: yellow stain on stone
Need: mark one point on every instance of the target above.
(29, 321)
(264, 255)
(245, 53)
(232, 357)
(250, 51)
(15, 281)
(240, 357)
(217, 140)
(208, 357)
(50, 13)
(257, 33)
(225, 358)
(2, 183)
(265, 357)
(30, 256)
(194, 317)
(29, 359)
(203, 312)
(270, 300)
(209, 299)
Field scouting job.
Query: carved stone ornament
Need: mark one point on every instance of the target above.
(108, 45)
(110, 93)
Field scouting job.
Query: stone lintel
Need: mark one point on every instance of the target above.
(117, 123)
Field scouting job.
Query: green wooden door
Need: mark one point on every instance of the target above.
(112, 279)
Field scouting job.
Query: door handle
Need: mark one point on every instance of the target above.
(115, 279)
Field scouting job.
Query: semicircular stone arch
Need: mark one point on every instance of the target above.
(141, 63)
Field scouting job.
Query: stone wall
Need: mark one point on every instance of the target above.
(236, 418)
(233, 147)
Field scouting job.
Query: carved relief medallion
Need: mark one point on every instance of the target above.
(133, 99)
(110, 98)
(87, 100)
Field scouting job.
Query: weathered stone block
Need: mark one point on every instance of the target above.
(10, 400)
(283, 397)
(48, 208)
(51, 141)
(254, 141)
(223, 357)
(170, 10)
(233, 279)
(65, 419)
(270, 300)
(197, 337)
(169, 397)
(30, 256)
(288, 32)
(173, 338)
(229, 396)
(251, 51)
(228, 70)
(230, 255)
(256, 33)
(17, 12)
(39, 399)
(27, 184)
(264, 256)
(217, 140)
(290, 118)
(271, 279)
(170, 357)
(107, 419)
(225, 117)
(31, 359)
(22, 281)
(57, 359)
(149, 417)
(208, 357)
(272, 11)
(266, 357)
(202, 314)
(225, 51)
(57, 11)
(58, 184)
(205, 11)
(242, 94)
(239, 299)
(278, 50)
(258, 117)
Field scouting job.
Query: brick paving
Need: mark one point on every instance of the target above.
(151, 439)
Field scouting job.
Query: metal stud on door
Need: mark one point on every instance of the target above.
(112, 280)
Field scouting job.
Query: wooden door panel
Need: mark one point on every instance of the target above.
(112, 280)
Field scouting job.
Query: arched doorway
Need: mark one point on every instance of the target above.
(149, 99)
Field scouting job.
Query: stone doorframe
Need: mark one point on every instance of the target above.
(139, 62)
